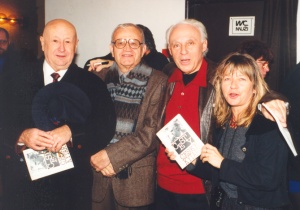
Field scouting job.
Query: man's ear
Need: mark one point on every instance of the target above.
(204, 45)
(111, 47)
(42, 42)
(170, 51)
(144, 49)
(76, 44)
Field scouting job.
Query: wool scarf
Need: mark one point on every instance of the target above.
(127, 97)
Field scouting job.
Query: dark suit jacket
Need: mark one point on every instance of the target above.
(75, 184)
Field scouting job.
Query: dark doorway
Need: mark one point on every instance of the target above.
(275, 24)
(216, 18)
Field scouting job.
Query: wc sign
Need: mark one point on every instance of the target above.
(241, 26)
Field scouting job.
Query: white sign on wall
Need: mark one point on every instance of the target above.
(241, 26)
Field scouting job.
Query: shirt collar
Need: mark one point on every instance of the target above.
(199, 80)
(48, 70)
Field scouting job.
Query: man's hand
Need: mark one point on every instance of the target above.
(100, 160)
(60, 136)
(95, 65)
(108, 171)
(170, 154)
(279, 109)
(36, 139)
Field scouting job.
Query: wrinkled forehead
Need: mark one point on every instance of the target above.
(184, 32)
(128, 32)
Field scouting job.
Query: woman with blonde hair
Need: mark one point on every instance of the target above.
(248, 162)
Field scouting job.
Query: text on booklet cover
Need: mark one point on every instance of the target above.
(180, 138)
(44, 163)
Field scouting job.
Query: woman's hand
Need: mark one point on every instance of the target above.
(211, 155)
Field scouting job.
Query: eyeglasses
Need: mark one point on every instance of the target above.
(3, 42)
(265, 64)
(121, 43)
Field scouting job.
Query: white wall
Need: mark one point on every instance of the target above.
(96, 19)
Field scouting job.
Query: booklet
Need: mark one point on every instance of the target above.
(285, 132)
(44, 163)
(179, 137)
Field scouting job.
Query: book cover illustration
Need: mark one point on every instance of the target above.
(179, 137)
(44, 163)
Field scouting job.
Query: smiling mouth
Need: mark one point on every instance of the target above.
(126, 55)
(61, 56)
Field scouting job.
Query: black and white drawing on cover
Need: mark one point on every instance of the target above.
(179, 137)
(44, 163)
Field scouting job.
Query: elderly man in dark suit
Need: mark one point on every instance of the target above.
(70, 189)
(126, 167)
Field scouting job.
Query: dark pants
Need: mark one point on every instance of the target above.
(67, 190)
(165, 200)
(231, 203)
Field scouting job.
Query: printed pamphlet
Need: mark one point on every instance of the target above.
(44, 163)
(179, 137)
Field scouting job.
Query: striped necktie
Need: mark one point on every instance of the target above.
(55, 77)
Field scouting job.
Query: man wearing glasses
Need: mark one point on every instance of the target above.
(124, 176)
(260, 52)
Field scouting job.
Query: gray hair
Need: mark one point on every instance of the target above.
(125, 25)
(192, 22)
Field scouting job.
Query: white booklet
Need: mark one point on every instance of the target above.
(285, 132)
(44, 163)
(179, 137)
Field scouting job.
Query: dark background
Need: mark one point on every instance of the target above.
(275, 24)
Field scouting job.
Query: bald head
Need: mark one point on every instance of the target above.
(59, 42)
(59, 23)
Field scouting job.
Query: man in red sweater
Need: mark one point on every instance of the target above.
(187, 41)
(191, 94)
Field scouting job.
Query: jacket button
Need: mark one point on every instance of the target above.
(79, 146)
(244, 149)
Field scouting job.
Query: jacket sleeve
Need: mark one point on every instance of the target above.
(272, 95)
(143, 141)
(202, 170)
